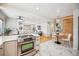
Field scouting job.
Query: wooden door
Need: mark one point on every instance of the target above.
(68, 26)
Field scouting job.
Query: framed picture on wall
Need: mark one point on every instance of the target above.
(38, 27)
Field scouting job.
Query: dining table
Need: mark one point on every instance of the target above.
(59, 37)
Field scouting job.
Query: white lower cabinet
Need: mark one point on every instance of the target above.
(10, 48)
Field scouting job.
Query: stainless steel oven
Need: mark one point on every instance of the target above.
(25, 47)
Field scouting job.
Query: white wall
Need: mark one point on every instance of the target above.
(2, 17)
(13, 24)
(44, 28)
(75, 28)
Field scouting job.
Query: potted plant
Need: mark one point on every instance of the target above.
(7, 31)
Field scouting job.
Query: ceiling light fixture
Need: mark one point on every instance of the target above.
(37, 8)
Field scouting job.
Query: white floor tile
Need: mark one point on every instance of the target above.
(50, 48)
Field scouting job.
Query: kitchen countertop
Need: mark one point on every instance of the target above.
(12, 37)
(1, 41)
(8, 38)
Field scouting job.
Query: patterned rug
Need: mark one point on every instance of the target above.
(50, 48)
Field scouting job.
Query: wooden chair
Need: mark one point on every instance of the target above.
(67, 40)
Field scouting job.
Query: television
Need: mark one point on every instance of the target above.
(27, 47)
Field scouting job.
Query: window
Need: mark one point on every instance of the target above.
(1, 27)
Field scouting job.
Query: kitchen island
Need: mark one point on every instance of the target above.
(10, 44)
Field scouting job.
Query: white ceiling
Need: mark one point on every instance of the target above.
(39, 11)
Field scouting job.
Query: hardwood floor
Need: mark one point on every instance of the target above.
(44, 38)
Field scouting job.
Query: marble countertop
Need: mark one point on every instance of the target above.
(7, 38)
(1, 41)
(12, 37)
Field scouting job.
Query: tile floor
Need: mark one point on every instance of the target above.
(50, 48)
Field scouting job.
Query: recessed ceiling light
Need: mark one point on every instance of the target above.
(37, 8)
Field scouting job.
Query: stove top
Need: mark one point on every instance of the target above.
(24, 38)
